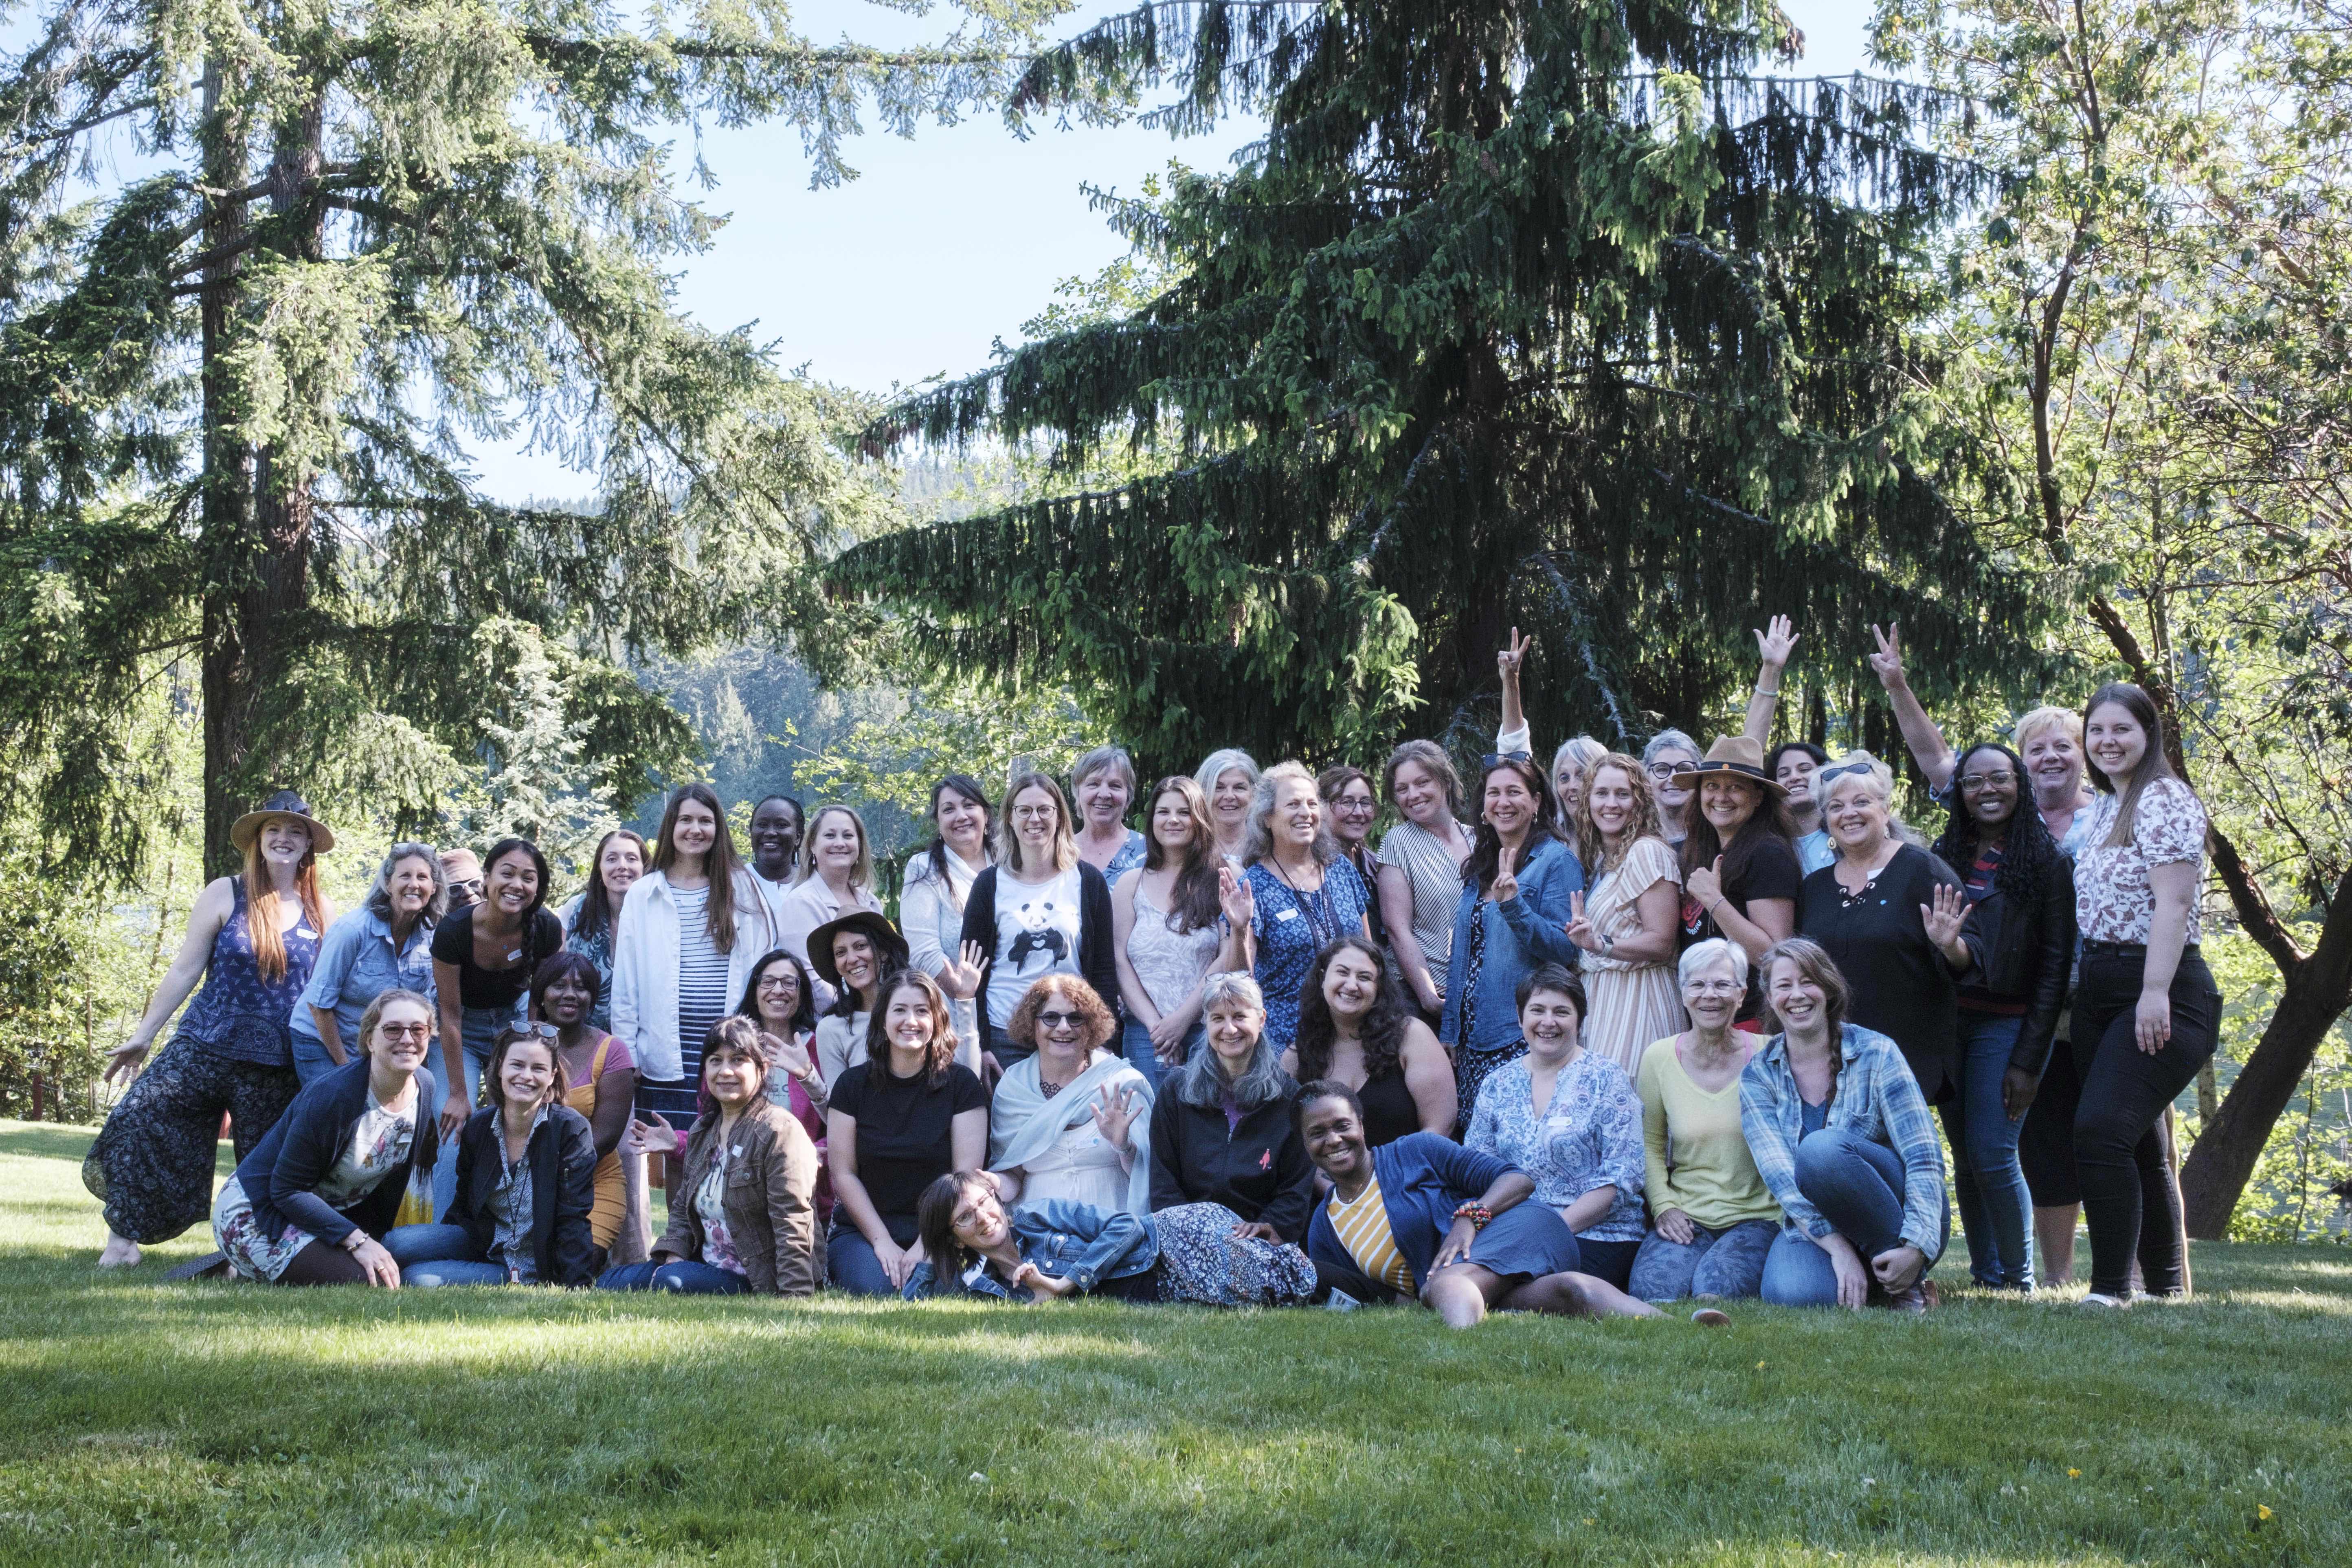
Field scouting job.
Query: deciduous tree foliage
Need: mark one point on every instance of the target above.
(1550, 312)
(236, 391)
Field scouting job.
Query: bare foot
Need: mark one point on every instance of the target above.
(121, 1252)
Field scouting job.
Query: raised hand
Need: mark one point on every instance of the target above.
(1706, 883)
(1505, 884)
(1944, 919)
(1114, 1113)
(962, 980)
(649, 1133)
(1235, 897)
(1512, 657)
(1580, 929)
(1887, 662)
(787, 1055)
(1776, 643)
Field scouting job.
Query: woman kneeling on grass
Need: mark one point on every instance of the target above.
(746, 1218)
(1841, 1133)
(526, 1181)
(1426, 1217)
(975, 1246)
(307, 1205)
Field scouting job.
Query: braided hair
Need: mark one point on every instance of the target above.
(2029, 855)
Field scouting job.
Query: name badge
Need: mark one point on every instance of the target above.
(1281, 915)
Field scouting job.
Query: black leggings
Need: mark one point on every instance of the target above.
(2129, 1199)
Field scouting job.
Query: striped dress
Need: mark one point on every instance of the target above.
(1632, 1003)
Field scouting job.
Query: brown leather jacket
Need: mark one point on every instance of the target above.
(770, 1200)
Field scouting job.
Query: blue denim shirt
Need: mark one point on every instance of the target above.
(357, 964)
(1876, 1100)
(1066, 1240)
(1531, 930)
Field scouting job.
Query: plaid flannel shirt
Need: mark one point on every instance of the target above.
(1878, 1098)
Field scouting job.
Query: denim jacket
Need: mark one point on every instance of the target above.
(1531, 930)
(1067, 1240)
(356, 964)
(1876, 1100)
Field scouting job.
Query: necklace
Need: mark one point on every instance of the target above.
(1322, 920)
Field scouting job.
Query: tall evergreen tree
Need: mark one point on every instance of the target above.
(1547, 312)
(236, 391)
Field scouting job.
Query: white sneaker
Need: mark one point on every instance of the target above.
(1340, 1301)
(2113, 1303)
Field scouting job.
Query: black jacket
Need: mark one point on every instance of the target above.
(562, 1156)
(2027, 955)
(281, 1175)
(1096, 965)
(1259, 1170)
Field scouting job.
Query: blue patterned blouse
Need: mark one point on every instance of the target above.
(1590, 1136)
(1291, 927)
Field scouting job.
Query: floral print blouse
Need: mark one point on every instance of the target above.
(2113, 901)
(1589, 1136)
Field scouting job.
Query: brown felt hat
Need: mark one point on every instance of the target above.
(285, 803)
(1736, 755)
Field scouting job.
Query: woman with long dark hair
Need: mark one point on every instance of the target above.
(781, 997)
(1355, 1028)
(938, 883)
(1511, 919)
(594, 914)
(2020, 893)
(689, 930)
(251, 939)
(2147, 1013)
(1168, 932)
(1741, 878)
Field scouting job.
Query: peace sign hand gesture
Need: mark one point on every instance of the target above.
(1512, 656)
(1505, 884)
(1887, 662)
(1943, 919)
(1580, 928)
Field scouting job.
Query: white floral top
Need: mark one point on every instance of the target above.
(2113, 901)
(1589, 1136)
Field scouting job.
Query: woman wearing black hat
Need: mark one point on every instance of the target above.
(251, 939)
(851, 953)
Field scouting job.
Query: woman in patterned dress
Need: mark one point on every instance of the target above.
(1626, 920)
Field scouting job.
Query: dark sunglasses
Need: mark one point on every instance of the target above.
(1822, 776)
(1493, 759)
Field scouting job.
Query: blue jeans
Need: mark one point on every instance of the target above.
(431, 1255)
(1729, 1263)
(1858, 1187)
(310, 1059)
(851, 1266)
(1987, 1179)
(479, 1028)
(680, 1278)
(1135, 1044)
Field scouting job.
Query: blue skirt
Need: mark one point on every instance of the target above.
(1526, 1242)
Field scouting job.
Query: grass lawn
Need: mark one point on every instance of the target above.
(232, 1423)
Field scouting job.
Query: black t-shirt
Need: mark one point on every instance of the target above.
(453, 942)
(1768, 869)
(1901, 984)
(904, 1134)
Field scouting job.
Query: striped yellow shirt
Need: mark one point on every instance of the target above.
(1364, 1230)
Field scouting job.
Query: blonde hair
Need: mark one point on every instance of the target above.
(860, 875)
(1880, 778)
(1064, 852)
(2032, 723)
(1589, 846)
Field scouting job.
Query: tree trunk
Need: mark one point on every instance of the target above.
(2313, 998)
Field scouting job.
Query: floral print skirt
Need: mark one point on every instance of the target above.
(1203, 1262)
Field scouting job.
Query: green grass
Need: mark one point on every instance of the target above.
(226, 1423)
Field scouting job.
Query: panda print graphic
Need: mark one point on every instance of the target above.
(1037, 926)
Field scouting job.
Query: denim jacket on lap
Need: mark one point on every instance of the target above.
(1067, 1240)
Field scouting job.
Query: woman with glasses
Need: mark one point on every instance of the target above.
(1040, 910)
(1894, 919)
(1713, 1219)
(1350, 806)
(1071, 1123)
(1510, 918)
(2020, 893)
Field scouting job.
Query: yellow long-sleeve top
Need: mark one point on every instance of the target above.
(1695, 1154)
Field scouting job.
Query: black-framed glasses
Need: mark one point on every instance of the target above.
(1493, 759)
(1974, 783)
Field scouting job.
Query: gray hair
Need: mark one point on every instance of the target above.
(1201, 1082)
(1668, 741)
(1223, 761)
(1257, 835)
(379, 893)
(1100, 758)
(1701, 957)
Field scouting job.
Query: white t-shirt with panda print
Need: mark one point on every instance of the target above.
(1036, 935)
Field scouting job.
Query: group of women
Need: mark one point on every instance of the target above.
(1637, 1030)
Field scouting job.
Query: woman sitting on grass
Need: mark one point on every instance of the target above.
(526, 1181)
(307, 1205)
(1221, 1129)
(1423, 1217)
(974, 1246)
(746, 1218)
(1840, 1131)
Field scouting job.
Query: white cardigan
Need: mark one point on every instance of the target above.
(644, 967)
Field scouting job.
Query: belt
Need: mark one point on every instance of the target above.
(2131, 949)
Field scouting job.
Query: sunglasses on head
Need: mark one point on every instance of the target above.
(1822, 776)
(1493, 759)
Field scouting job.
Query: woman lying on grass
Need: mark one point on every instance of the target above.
(1426, 1217)
(1191, 1253)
